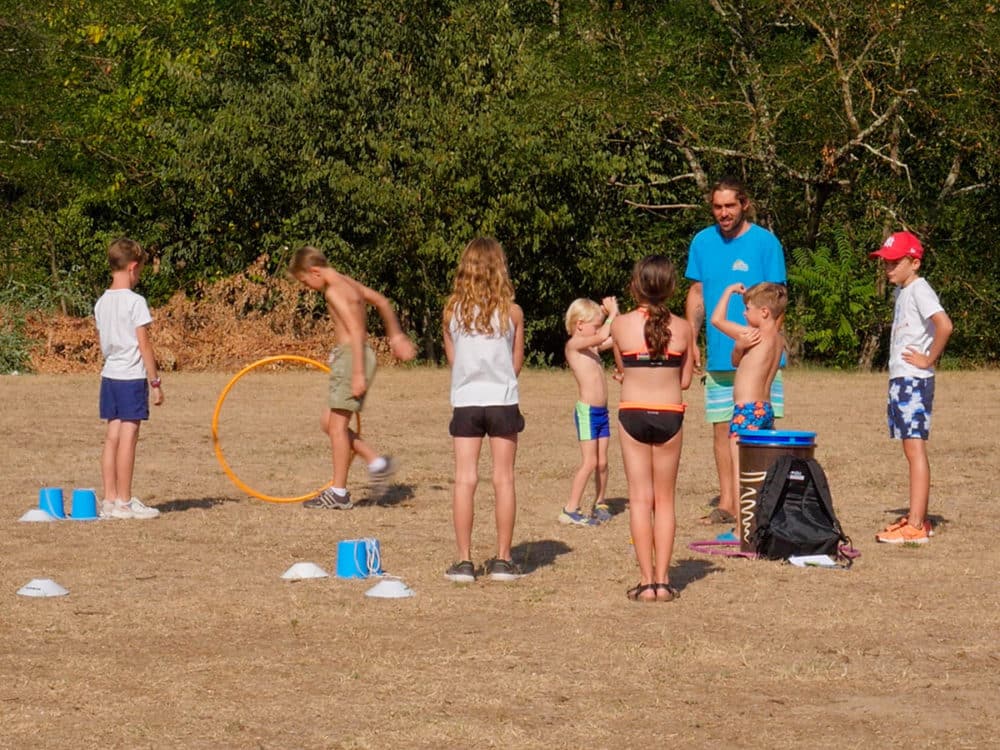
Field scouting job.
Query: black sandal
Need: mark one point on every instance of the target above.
(635, 593)
(672, 593)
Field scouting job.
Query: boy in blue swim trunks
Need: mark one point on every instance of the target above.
(589, 335)
(756, 356)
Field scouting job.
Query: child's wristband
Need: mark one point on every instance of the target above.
(154, 383)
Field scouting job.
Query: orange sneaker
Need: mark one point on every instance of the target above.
(896, 525)
(903, 521)
(903, 533)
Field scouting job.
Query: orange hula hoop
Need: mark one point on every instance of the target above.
(217, 445)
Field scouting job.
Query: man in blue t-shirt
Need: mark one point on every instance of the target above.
(732, 250)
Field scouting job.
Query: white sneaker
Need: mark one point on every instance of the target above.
(140, 510)
(116, 509)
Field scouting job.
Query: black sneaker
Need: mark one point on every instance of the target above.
(461, 572)
(502, 570)
(330, 500)
(384, 474)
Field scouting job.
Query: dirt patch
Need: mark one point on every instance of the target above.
(179, 632)
(216, 327)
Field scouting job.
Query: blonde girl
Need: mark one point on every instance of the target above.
(484, 343)
(653, 353)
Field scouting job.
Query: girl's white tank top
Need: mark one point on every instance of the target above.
(483, 371)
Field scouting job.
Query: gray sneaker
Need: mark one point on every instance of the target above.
(330, 500)
(502, 570)
(461, 572)
(115, 509)
(601, 513)
(140, 510)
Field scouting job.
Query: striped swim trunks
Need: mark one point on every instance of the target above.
(592, 422)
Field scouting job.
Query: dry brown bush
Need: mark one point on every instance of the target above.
(219, 326)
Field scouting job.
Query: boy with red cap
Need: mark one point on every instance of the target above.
(920, 330)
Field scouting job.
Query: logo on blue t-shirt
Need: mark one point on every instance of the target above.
(740, 265)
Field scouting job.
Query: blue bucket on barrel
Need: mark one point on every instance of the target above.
(50, 499)
(758, 450)
(778, 438)
(359, 558)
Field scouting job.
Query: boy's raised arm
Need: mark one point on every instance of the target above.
(602, 336)
(719, 320)
(579, 343)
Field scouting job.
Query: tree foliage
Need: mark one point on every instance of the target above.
(389, 132)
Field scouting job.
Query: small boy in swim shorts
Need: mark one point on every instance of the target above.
(352, 368)
(756, 357)
(589, 335)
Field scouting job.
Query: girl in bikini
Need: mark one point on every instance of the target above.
(652, 351)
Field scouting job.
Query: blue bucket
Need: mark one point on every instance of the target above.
(84, 505)
(359, 558)
(778, 438)
(50, 499)
(758, 450)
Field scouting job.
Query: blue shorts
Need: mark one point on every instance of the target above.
(750, 416)
(127, 400)
(719, 395)
(911, 401)
(592, 422)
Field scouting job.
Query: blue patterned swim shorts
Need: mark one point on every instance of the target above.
(911, 401)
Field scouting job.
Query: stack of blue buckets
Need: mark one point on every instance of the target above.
(83, 504)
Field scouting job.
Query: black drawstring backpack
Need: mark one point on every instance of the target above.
(795, 512)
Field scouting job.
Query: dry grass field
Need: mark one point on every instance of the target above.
(180, 633)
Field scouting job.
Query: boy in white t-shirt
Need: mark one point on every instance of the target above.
(920, 330)
(123, 319)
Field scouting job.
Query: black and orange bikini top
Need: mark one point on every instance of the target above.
(645, 359)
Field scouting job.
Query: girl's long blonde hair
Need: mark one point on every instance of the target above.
(482, 288)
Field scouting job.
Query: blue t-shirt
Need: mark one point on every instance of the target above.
(716, 262)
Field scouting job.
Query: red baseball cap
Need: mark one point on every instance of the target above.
(899, 245)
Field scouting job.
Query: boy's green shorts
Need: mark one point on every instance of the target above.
(341, 373)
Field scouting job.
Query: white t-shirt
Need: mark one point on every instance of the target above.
(912, 327)
(118, 313)
(483, 371)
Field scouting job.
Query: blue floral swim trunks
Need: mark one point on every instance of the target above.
(751, 416)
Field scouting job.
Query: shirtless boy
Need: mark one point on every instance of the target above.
(352, 368)
(589, 334)
(756, 357)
